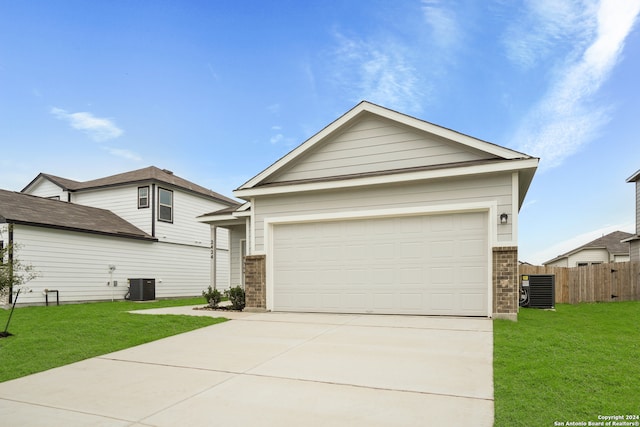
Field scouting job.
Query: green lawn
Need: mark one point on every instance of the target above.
(570, 365)
(47, 337)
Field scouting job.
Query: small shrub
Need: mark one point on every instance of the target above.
(236, 296)
(213, 297)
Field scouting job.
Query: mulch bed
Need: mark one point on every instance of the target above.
(219, 308)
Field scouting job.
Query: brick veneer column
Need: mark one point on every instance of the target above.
(255, 280)
(506, 292)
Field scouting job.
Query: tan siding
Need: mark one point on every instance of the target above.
(634, 251)
(375, 144)
(432, 193)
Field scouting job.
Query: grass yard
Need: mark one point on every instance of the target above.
(570, 365)
(47, 337)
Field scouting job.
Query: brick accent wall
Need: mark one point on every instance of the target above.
(255, 280)
(506, 294)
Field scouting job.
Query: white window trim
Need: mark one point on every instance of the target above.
(160, 204)
(140, 206)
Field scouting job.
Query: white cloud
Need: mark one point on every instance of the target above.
(124, 153)
(547, 25)
(566, 118)
(97, 128)
(276, 138)
(443, 23)
(378, 72)
(274, 108)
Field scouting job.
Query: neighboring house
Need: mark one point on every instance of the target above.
(141, 223)
(381, 212)
(634, 241)
(608, 248)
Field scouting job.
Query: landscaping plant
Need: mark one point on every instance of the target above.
(237, 297)
(213, 297)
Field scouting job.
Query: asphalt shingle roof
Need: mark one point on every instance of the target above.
(20, 208)
(150, 173)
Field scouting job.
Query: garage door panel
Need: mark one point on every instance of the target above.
(473, 301)
(429, 264)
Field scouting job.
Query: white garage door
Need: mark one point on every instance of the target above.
(428, 264)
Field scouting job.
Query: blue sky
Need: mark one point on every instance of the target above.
(218, 90)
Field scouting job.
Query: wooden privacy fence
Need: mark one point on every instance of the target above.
(615, 281)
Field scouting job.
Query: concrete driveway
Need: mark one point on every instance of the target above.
(275, 369)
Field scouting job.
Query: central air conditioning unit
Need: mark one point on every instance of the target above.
(538, 291)
(142, 289)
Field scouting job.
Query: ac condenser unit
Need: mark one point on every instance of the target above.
(538, 291)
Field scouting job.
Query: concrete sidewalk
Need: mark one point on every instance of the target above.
(275, 369)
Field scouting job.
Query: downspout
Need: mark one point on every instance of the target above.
(10, 260)
(153, 210)
(214, 256)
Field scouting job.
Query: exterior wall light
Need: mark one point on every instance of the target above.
(503, 218)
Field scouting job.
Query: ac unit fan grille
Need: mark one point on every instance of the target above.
(542, 291)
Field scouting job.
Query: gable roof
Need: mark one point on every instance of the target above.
(493, 158)
(612, 242)
(20, 208)
(150, 173)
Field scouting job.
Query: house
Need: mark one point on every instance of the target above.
(608, 248)
(634, 240)
(381, 212)
(87, 239)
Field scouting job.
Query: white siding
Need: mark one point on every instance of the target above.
(588, 256)
(123, 201)
(562, 262)
(223, 262)
(185, 229)
(373, 144)
(638, 207)
(620, 258)
(76, 264)
(496, 188)
(238, 238)
(45, 188)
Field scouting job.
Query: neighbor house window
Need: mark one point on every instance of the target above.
(143, 197)
(165, 205)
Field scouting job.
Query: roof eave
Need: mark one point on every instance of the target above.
(635, 177)
(84, 230)
(505, 166)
